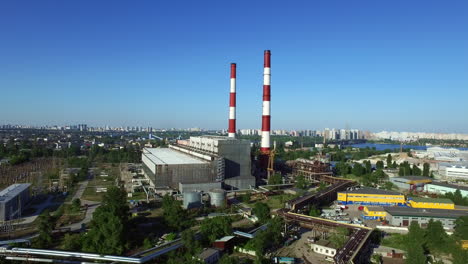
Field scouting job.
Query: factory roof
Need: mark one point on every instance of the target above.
(225, 239)
(431, 200)
(207, 253)
(324, 243)
(448, 185)
(367, 190)
(375, 208)
(421, 212)
(167, 156)
(12, 191)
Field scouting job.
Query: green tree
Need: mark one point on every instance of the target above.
(45, 227)
(72, 242)
(147, 243)
(275, 179)
(368, 166)
(301, 182)
(262, 211)
(339, 238)
(416, 170)
(342, 168)
(389, 186)
(191, 244)
(358, 169)
(107, 234)
(415, 244)
(314, 211)
(76, 205)
(389, 161)
(216, 227)
(461, 228)
(246, 197)
(226, 259)
(426, 169)
(379, 165)
(173, 213)
(436, 238)
(322, 186)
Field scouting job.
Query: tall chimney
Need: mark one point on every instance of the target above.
(265, 145)
(232, 103)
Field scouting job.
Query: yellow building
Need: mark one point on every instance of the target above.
(434, 203)
(371, 196)
(374, 213)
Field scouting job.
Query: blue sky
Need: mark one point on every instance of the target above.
(376, 65)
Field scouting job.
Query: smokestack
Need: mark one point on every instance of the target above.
(232, 103)
(265, 145)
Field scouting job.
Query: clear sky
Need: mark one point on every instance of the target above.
(376, 65)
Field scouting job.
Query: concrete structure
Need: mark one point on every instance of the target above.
(199, 187)
(232, 103)
(411, 182)
(265, 144)
(456, 172)
(435, 203)
(13, 200)
(217, 197)
(371, 196)
(403, 216)
(169, 167)
(373, 213)
(236, 156)
(324, 247)
(209, 256)
(200, 160)
(443, 188)
(192, 200)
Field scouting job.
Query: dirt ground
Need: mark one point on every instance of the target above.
(301, 249)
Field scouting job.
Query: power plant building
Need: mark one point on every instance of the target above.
(201, 160)
(13, 200)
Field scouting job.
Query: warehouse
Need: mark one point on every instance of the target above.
(192, 164)
(443, 188)
(371, 196)
(403, 216)
(166, 167)
(434, 203)
(13, 200)
(411, 182)
(373, 213)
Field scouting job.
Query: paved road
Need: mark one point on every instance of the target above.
(88, 217)
(39, 208)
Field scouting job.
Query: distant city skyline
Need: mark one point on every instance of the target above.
(377, 66)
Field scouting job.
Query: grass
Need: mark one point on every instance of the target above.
(90, 193)
(394, 241)
(274, 202)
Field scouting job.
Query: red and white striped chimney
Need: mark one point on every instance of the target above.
(232, 103)
(265, 145)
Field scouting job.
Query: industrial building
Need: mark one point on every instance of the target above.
(373, 213)
(324, 247)
(456, 172)
(434, 203)
(13, 200)
(443, 188)
(403, 216)
(371, 196)
(411, 182)
(200, 164)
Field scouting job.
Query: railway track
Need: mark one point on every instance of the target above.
(359, 234)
